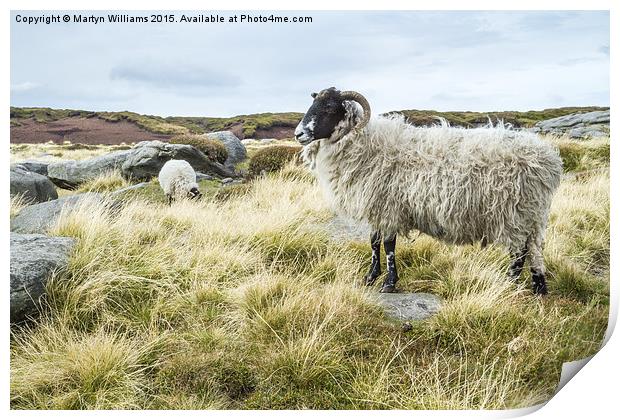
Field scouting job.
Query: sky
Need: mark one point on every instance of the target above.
(446, 61)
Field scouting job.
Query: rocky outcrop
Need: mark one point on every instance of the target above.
(142, 162)
(34, 166)
(236, 150)
(33, 187)
(148, 157)
(584, 125)
(38, 218)
(71, 173)
(409, 306)
(33, 260)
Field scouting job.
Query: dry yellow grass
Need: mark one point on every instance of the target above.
(51, 152)
(248, 303)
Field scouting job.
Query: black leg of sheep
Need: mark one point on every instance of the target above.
(516, 267)
(539, 284)
(375, 265)
(389, 284)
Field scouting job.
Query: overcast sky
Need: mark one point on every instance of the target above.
(479, 61)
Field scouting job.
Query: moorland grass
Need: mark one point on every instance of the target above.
(245, 301)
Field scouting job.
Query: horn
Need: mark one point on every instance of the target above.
(357, 97)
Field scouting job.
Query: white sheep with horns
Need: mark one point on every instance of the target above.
(489, 184)
(178, 180)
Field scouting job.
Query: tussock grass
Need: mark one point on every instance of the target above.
(582, 155)
(244, 301)
(105, 182)
(17, 203)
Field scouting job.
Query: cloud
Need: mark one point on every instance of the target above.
(401, 60)
(578, 60)
(168, 77)
(23, 87)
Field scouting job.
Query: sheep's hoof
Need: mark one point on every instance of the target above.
(540, 290)
(539, 285)
(370, 279)
(388, 288)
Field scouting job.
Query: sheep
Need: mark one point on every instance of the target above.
(492, 184)
(178, 180)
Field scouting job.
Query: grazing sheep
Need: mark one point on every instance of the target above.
(459, 185)
(178, 180)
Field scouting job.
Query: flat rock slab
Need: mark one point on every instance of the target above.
(342, 228)
(409, 306)
(578, 125)
(33, 260)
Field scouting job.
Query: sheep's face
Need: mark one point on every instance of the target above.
(193, 193)
(325, 113)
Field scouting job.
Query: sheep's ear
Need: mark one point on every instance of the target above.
(314, 95)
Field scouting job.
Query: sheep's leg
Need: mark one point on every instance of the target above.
(169, 199)
(375, 265)
(537, 265)
(516, 267)
(389, 284)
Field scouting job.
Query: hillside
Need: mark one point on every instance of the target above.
(40, 125)
(472, 119)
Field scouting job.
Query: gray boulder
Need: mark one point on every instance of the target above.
(71, 173)
(409, 306)
(38, 218)
(236, 149)
(147, 158)
(33, 260)
(201, 177)
(34, 166)
(583, 125)
(34, 188)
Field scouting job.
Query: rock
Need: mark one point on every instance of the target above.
(227, 180)
(409, 306)
(33, 187)
(267, 141)
(234, 146)
(129, 188)
(71, 173)
(33, 259)
(147, 158)
(38, 218)
(142, 162)
(34, 166)
(342, 228)
(201, 177)
(580, 125)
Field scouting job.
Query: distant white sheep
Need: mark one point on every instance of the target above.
(458, 185)
(178, 180)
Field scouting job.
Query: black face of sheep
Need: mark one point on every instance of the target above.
(329, 111)
(194, 193)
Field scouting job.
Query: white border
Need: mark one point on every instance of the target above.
(592, 394)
